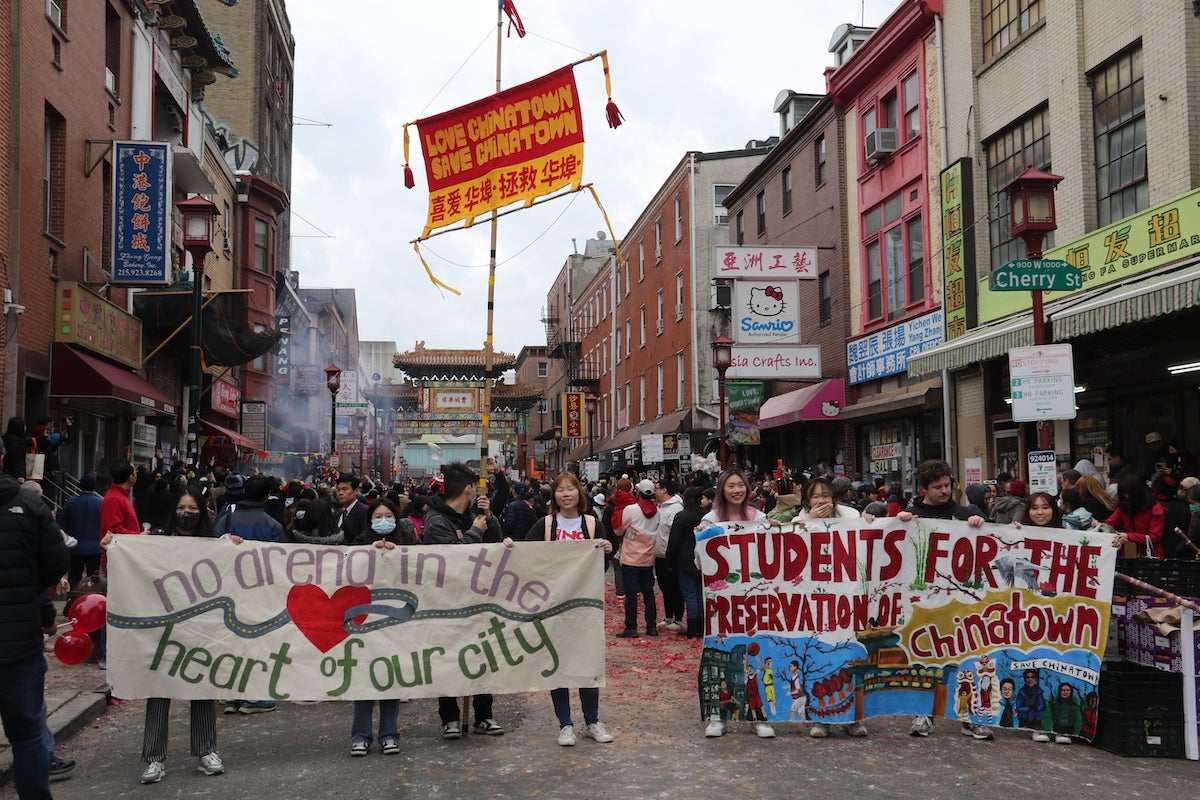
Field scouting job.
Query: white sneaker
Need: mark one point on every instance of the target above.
(764, 731)
(921, 726)
(714, 729)
(566, 736)
(819, 730)
(211, 764)
(856, 729)
(154, 773)
(1040, 736)
(598, 732)
(1062, 739)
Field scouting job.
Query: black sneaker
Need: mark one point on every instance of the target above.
(628, 633)
(652, 631)
(61, 766)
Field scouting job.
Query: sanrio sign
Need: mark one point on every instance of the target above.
(766, 312)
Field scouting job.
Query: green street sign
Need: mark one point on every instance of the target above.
(1029, 274)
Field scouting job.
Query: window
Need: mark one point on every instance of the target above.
(680, 380)
(720, 213)
(889, 111)
(617, 349)
(1004, 20)
(261, 249)
(912, 103)
(627, 277)
(259, 363)
(657, 240)
(819, 160)
(642, 325)
(679, 296)
(825, 299)
(660, 311)
(1119, 111)
(642, 258)
(895, 258)
(678, 219)
(54, 173)
(642, 396)
(786, 185)
(628, 340)
(868, 122)
(760, 210)
(56, 11)
(543, 369)
(740, 229)
(1024, 143)
(112, 48)
(658, 391)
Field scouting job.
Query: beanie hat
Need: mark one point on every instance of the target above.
(1016, 488)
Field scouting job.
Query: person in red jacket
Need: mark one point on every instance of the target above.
(116, 509)
(1138, 517)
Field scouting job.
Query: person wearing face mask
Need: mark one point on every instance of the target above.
(382, 528)
(190, 519)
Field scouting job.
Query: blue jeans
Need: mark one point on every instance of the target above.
(22, 698)
(639, 580)
(589, 698)
(389, 714)
(692, 597)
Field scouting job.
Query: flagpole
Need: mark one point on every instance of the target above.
(488, 350)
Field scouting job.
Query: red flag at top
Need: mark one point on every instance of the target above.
(514, 19)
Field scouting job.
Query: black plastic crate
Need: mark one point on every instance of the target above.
(1141, 735)
(1176, 575)
(1134, 689)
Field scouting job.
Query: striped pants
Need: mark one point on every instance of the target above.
(203, 728)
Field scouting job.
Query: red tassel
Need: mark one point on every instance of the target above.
(408, 177)
(615, 118)
(514, 19)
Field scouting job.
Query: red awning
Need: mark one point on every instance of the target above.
(233, 436)
(76, 375)
(821, 401)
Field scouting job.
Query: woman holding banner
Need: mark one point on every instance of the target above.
(568, 521)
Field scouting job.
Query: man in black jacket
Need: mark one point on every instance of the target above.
(32, 558)
(461, 515)
(935, 500)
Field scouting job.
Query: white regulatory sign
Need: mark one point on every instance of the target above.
(1042, 382)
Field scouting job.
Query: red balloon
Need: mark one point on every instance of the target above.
(89, 612)
(73, 648)
(752, 649)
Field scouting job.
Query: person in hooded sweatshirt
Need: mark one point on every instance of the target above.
(638, 532)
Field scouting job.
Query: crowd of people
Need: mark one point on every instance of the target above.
(646, 526)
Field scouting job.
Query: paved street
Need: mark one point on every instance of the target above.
(302, 751)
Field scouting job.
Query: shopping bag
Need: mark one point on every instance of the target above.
(35, 466)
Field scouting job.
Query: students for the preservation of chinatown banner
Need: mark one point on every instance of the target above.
(195, 619)
(850, 619)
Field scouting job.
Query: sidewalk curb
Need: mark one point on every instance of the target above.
(65, 721)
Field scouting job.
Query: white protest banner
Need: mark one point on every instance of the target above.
(203, 618)
(849, 619)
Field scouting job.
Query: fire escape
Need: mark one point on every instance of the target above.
(565, 343)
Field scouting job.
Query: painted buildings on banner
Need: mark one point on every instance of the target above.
(1126, 216)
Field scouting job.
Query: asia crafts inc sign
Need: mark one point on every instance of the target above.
(782, 362)
(886, 352)
(141, 213)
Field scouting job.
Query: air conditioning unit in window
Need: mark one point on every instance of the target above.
(658, 325)
(54, 12)
(679, 311)
(110, 80)
(657, 253)
(881, 143)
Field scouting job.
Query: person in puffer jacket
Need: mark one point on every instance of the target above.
(637, 530)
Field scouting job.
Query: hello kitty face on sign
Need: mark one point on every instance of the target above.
(830, 408)
(766, 302)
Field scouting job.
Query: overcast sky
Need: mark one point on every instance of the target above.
(698, 75)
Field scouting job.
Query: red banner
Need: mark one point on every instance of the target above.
(573, 424)
(514, 146)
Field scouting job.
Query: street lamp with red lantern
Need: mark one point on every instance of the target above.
(722, 358)
(333, 381)
(558, 447)
(1031, 206)
(199, 215)
(589, 405)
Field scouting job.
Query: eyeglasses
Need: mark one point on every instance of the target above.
(989, 483)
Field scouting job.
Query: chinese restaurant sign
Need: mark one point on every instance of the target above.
(514, 146)
(573, 416)
(141, 213)
(90, 321)
(848, 620)
(198, 618)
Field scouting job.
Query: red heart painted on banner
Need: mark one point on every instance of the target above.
(321, 617)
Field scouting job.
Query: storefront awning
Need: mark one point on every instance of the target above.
(96, 383)
(1146, 298)
(926, 394)
(667, 423)
(808, 403)
(236, 438)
